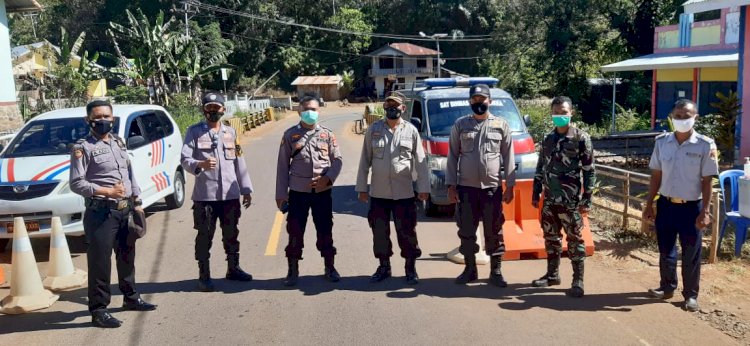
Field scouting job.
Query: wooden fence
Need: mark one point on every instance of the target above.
(628, 197)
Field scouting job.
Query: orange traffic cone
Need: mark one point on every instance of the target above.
(2, 276)
(26, 290)
(62, 275)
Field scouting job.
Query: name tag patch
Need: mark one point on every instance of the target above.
(100, 151)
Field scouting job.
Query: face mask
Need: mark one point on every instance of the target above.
(393, 113)
(683, 125)
(214, 116)
(561, 120)
(479, 108)
(310, 117)
(101, 127)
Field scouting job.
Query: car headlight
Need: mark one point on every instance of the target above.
(437, 163)
(528, 161)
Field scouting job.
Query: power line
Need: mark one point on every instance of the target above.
(332, 51)
(339, 31)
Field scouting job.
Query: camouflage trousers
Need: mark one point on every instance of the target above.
(556, 217)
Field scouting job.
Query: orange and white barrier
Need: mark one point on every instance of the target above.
(61, 274)
(26, 290)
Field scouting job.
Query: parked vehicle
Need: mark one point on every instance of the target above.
(35, 167)
(434, 107)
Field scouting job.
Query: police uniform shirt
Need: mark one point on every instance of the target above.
(318, 155)
(393, 157)
(96, 163)
(478, 152)
(684, 165)
(230, 179)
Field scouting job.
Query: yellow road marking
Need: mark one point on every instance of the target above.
(273, 239)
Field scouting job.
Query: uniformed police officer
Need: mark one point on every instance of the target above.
(308, 165)
(100, 171)
(683, 165)
(566, 157)
(393, 148)
(212, 153)
(480, 148)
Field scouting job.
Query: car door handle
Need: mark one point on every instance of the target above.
(149, 153)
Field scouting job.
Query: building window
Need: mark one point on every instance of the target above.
(402, 80)
(385, 62)
(421, 63)
(708, 15)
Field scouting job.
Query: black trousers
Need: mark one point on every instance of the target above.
(205, 215)
(300, 204)
(107, 230)
(673, 221)
(480, 204)
(404, 212)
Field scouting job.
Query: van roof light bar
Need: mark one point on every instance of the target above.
(460, 82)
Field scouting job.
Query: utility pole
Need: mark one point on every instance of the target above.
(32, 16)
(334, 7)
(437, 38)
(187, 26)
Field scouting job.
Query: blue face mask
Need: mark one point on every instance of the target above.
(310, 117)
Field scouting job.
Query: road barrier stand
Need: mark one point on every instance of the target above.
(62, 275)
(26, 291)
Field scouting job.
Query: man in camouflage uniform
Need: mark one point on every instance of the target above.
(566, 155)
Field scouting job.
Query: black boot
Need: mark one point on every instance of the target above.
(470, 271)
(234, 272)
(293, 273)
(383, 272)
(204, 277)
(552, 277)
(411, 271)
(576, 289)
(330, 272)
(496, 274)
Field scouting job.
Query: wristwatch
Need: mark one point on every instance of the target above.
(138, 202)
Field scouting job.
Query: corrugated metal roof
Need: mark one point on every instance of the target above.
(413, 49)
(317, 80)
(12, 6)
(676, 60)
(698, 6)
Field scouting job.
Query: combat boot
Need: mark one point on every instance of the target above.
(204, 277)
(411, 271)
(470, 271)
(330, 272)
(552, 277)
(576, 289)
(383, 272)
(293, 273)
(234, 272)
(496, 274)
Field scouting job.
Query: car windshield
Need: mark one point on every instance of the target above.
(444, 112)
(49, 137)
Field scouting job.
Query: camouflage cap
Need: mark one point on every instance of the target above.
(395, 98)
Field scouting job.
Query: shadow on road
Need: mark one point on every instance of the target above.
(530, 297)
(52, 320)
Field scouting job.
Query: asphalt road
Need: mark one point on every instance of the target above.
(352, 311)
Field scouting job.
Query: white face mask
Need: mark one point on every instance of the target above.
(683, 125)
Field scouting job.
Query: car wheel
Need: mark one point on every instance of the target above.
(4, 244)
(176, 199)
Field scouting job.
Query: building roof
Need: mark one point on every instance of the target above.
(407, 49)
(12, 6)
(697, 6)
(695, 59)
(317, 80)
(17, 52)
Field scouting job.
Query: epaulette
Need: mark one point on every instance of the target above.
(662, 136)
(706, 139)
(119, 141)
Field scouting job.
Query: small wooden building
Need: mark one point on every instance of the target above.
(326, 87)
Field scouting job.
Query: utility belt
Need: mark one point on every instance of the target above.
(97, 203)
(674, 200)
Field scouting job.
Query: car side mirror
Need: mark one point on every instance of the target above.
(417, 123)
(527, 120)
(136, 142)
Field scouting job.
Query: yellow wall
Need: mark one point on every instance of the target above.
(675, 75)
(97, 88)
(718, 74)
(705, 36)
(668, 39)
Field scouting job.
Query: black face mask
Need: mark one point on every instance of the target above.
(479, 108)
(393, 113)
(101, 127)
(214, 116)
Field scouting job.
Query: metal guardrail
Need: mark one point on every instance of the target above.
(252, 120)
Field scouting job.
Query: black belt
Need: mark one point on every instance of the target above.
(108, 204)
(674, 200)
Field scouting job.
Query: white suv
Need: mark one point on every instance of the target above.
(35, 167)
